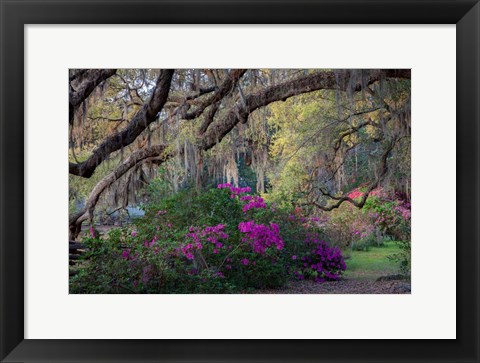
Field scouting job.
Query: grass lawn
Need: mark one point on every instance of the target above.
(371, 264)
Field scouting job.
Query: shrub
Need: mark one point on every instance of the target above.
(403, 257)
(382, 217)
(319, 261)
(392, 215)
(350, 226)
(221, 240)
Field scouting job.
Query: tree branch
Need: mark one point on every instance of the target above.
(218, 130)
(371, 187)
(146, 115)
(223, 90)
(92, 78)
(155, 154)
(317, 81)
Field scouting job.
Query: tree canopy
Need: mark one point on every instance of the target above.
(303, 137)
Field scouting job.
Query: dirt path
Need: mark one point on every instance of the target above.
(343, 287)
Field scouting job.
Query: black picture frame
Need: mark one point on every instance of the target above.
(15, 14)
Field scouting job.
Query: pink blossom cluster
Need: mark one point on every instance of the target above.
(209, 235)
(224, 186)
(356, 193)
(361, 228)
(129, 255)
(404, 210)
(126, 254)
(234, 190)
(188, 250)
(261, 236)
(324, 261)
(254, 202)
(147, 243)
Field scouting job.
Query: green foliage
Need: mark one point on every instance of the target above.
(374, 263)
(188, 208)
(403, 257)
(197, 242)
(392, 216)
(292, 151)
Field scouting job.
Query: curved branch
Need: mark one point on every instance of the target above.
(155, 154)
(223, 90)
(145, 116)
(238, 113)
(371, 187)
(93, 79)
(317, 81)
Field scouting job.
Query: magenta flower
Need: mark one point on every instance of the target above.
(134, 233)
(255, 203)
(126, 254)
(245, 262)
(151, 243)
(261, 236)
(325, 261)
(234, 190)
(209, 235)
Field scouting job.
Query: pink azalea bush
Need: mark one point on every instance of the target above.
(222, 240)
(261, 237)
(321, 261)
(382, 216)
(207, 238)
(256, 253)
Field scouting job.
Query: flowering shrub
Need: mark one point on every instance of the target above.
(234, 190)
(351, 227)
(261, 237)
(221, 240)
(392, 215)
(251, 201)
(254, 202)
(383, 216)
(320, 261)
(208, 237)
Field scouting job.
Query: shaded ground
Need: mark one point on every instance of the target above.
(364, 268)
(343, 287)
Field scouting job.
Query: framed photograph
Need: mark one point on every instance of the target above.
(239, 181)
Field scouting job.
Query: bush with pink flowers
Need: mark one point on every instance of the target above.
(222, 240)
(320, 261)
